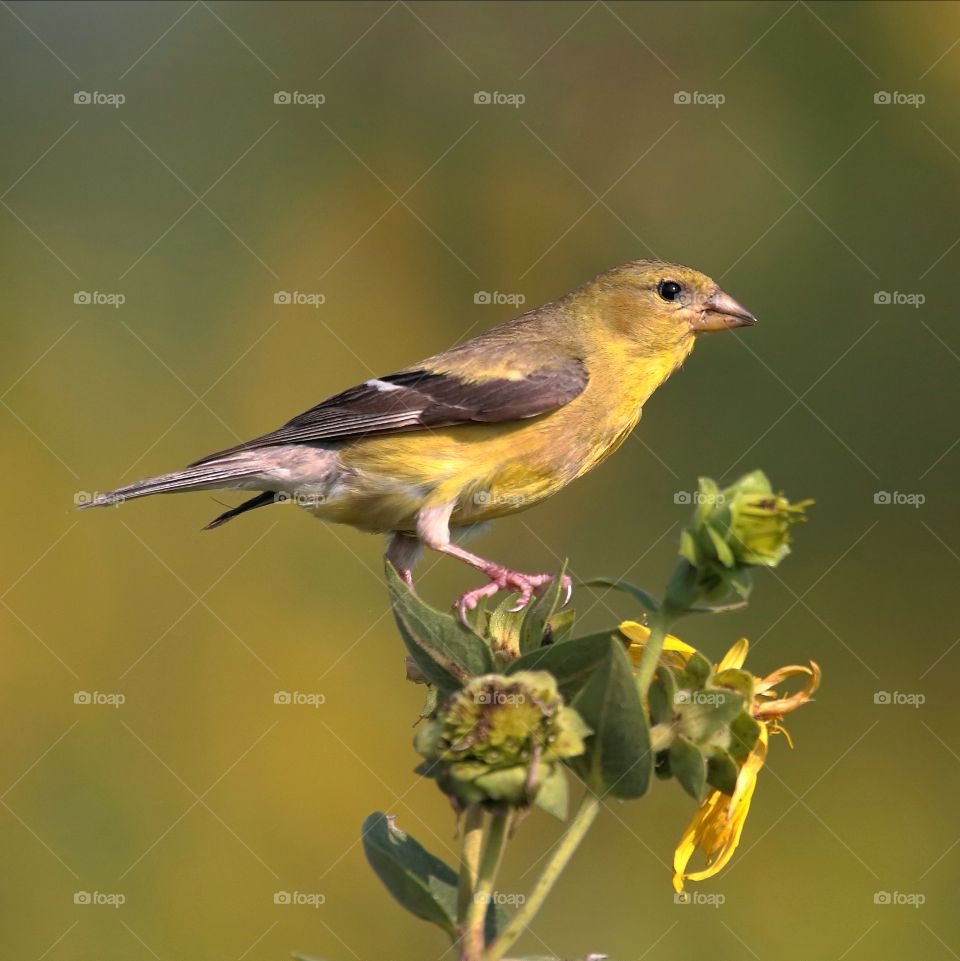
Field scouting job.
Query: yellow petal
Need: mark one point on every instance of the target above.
(639, 634)
(735, 657)
(717, 826)
(692, 837)
(738, 818)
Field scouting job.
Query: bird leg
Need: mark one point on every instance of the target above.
(403, 552)
(501, 579)
(433, 530)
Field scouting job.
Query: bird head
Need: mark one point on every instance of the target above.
(662, 307)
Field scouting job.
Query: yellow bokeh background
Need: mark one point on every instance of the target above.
(399, 199)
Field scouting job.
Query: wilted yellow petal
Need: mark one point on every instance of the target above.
(717, 826)
(775, 727)
(784, 705)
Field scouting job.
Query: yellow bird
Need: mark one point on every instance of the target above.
(488, 428)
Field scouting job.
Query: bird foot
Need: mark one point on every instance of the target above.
(503, 579)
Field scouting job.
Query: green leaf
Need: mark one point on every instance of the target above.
(689, 767)
(554, 794)
(637, 593)
(447, 653)
(420, 882)
(571, 663)
(539, 613)
(722, 771)
(618, 760)
(504, 626)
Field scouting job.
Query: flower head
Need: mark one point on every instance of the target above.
(716, 827)
(499, 738)
(745, 525)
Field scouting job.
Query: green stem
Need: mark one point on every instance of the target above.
(476, 917)
(469, 858)
(652, 651)
(562, 853)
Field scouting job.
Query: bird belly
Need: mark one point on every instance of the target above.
(485, 470)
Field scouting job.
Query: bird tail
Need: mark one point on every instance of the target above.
(261, 500)
(225, 473)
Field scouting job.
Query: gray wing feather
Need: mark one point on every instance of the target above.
(419, 400)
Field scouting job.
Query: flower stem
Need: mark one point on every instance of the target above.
(476, 910)
(562, 853)
(651, 652)
(469, 857)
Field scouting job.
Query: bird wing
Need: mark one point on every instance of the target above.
(420, 399)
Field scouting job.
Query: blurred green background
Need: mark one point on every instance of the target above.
(399, 199)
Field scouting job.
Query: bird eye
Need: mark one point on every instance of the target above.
(669, 289)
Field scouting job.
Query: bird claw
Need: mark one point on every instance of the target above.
(502, 579)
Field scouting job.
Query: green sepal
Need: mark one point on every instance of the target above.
(554, 793)
(429, 769)
(447, 653)
(696, 670)
(689, 767)
(661, 696)
(722, 548)
(741, 581)
(722, 771)
(744, 732)
(735, 679)
(705, 712)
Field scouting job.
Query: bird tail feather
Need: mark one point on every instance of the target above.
(225, 473)
(261, 500)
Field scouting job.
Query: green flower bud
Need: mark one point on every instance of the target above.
(743, 526)
(499, 738)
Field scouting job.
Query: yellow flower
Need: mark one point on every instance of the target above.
(716, 827)
(638, 633)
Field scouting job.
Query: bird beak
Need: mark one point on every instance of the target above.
(721, 312)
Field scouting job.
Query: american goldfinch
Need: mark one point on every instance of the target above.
(485, 429)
